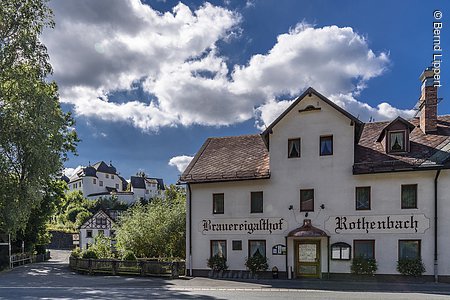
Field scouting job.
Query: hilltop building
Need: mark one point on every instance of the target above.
(103, 180)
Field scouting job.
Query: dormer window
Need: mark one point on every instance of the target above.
(395, 136)
(397, 141)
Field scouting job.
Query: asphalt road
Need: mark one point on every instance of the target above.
(54, 280)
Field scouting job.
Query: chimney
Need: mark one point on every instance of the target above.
(428, 102)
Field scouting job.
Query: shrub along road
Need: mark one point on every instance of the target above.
(54, 280)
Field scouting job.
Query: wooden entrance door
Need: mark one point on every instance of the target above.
(307, 258)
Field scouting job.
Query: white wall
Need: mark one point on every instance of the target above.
(334, 185)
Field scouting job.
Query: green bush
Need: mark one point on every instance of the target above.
(129, 256)
(410, 267)
(89, 253)
(256, 263)
(364, 266)
(76, 253)
(217, 263)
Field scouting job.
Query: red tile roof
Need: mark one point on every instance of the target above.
(229, 158)
(246, 157)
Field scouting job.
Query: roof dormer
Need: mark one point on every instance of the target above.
(395, 136)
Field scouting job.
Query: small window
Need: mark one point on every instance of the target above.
(363, 198)
(307, 200)
(293, 148)
(112, 233)
(89, 233)
(107, 175)
(218, 205)
(117, 186)
(255, 247)
(219, 247)
(146, 191)
(237, 245)
(112, 176)
(100, 221)
(326, 145)
(100, 183)
(397, 141)
(94, 181)
(340, 251)
(408, 249)
(74, 185)
(364, 248)
(409, 196)
(256, 202)
(80, 183)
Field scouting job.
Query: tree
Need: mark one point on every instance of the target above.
(157, 229)
(35, 134)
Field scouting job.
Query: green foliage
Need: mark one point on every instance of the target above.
(73, 212)
(105, 203)
(89, 253)
(102, 247)
(256, 263)
(156, 229)
(129, 255)
(217, 263)
(76, 253)
(364, 266)
(35, 134)
(410, 267)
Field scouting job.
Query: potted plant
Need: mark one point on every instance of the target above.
(256, 263)
(410, 267)
(364, 266)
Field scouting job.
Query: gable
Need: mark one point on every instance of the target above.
(99, 220)
(310, 101)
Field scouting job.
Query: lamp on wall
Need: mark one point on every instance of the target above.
(322, 206)
(306, 214)
(291, 207)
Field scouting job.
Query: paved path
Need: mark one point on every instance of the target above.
(54, 280)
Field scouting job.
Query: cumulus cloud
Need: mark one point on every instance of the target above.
(69, 172)
(106, 46)
(180, 162)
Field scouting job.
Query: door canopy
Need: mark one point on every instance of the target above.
(307, 231)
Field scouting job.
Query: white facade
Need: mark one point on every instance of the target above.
(100, 223)
(102, 180)
(334, 184)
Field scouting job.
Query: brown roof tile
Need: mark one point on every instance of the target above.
(425, 149)
(229, 158)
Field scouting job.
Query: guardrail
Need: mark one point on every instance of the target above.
(172, 269)
(24, 258)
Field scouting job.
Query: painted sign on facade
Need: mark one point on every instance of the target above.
(243, 226)
(414, 223)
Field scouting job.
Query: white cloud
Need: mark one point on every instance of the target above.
(69, 172)
(180, 162)
(104, 46)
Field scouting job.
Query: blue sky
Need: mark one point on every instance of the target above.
(150, 81)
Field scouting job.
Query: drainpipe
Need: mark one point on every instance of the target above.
(286, 257)
(189, 203)
(328, 257)
(436, 274)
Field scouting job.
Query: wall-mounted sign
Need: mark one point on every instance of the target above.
(279, 250)
(243, 226)
(414, 223)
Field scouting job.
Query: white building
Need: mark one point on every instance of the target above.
(319, 187)
(100, 223)
(102, 180)
(145, 188)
